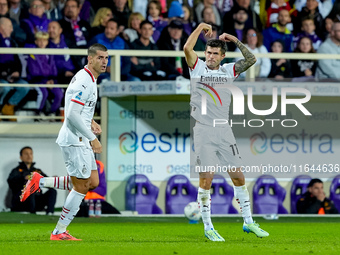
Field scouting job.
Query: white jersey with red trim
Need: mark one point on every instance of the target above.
(81, 90)
(207, 86)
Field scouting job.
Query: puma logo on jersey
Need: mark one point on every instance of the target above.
(84, 86)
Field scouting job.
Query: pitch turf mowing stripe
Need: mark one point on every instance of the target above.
(10, 217)
(170, 237)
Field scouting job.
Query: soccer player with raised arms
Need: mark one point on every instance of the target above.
(78, 142)
(216, 145)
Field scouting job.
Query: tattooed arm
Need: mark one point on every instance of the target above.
(249, 58)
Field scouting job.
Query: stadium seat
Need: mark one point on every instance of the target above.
(335, 192)
(179, 192)
(221, 196)
(141, 195)
(299, 187)
(268, 196)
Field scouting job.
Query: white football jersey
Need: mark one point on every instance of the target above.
(82, 90)
(207, 86)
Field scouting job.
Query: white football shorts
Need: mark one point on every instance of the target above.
(215, 146)
(79, 161)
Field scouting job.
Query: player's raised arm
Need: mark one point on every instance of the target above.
(190, 54)
(249, 58)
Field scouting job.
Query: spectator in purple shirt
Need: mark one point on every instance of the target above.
(64, 63)
(188, 20)
(311, 9)
(154, 12)
(41, 69)
(308, 30)
(86, 12)
(36, 22)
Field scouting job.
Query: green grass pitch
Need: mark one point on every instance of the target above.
(27, 234)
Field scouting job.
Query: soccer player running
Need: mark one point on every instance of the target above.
(217, 145)
(78, 142)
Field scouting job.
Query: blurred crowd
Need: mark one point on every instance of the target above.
(303, 26)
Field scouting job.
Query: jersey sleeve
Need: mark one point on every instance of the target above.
(80, 92)
(74, 117)
(230, 70)
(194, 71)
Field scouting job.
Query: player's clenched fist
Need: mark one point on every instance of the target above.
(227, 38)
(96, 146)
(95, 127)
(207, 29)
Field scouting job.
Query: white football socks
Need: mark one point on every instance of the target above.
(70, 209)
(204, 203)
(59, 182)
(242, 197)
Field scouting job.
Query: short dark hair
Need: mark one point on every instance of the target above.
(77, 1)
(94, 48)
(113, 20)
(144, 22)
(24, 148)
(307, 18)
(241, 9)
(280, 42)
(313, 181)
(216, 43)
